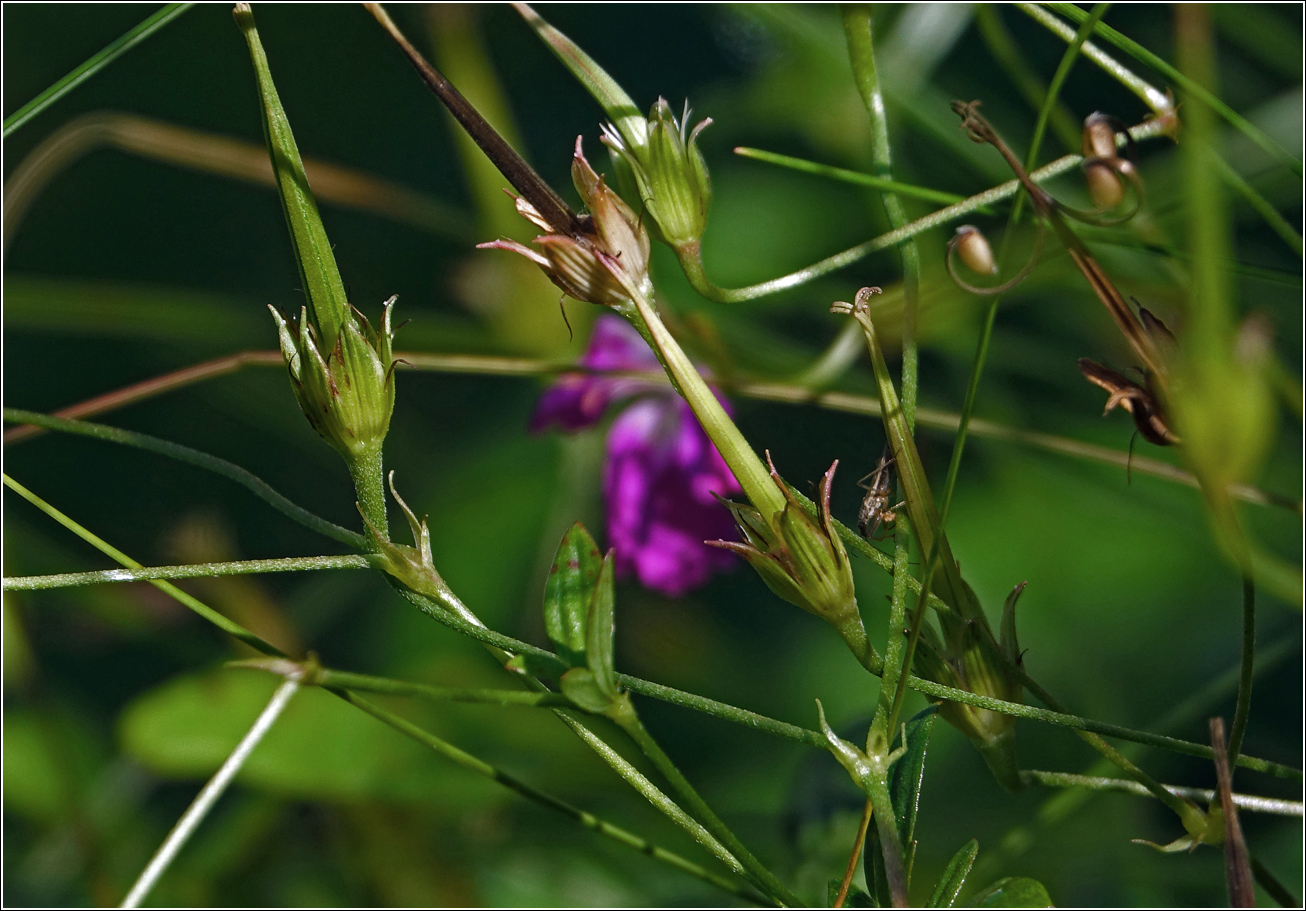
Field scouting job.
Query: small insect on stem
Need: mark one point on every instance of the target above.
(876, 510)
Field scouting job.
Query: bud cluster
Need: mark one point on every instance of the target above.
(348, 393)
(664, 165)
(802, 561)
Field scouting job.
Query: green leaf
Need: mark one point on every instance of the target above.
(905, 790)
(954, 876)
(568, 592)
(1013, 892)
(602, 630)
(317, 264)
(320, 748)
(93, 65)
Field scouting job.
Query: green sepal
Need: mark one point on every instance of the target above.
(905, 777)
(855, 762)
(534, 665)
(569, 591)
(600, 633)
(1007, 630)
(1013, 892)
(582, 687)
(856, 897)
(954, 876)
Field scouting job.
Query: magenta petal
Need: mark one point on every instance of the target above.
(661, 474)
(576, 401)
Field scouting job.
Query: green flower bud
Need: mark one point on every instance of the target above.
(803, 562)
(348, 394)
(969, 658)
(668, 171)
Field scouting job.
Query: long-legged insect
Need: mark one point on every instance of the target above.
(876, 510)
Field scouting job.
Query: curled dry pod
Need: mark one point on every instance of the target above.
(974, 250)
(1104, 185)
(1099, 136)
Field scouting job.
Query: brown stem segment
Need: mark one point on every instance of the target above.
(520, 174)
(1237, 862)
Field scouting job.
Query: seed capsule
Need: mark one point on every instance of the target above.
(1099, 136)
(1104, 186)
(974, 250)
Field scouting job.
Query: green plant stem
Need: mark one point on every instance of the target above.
(747, 468)
(846, 176)
(209, 795)
(1151, 96)
(859, 34)
(1246, 669)
(788, 393)
(1259, 203)
(364, 683)
(628, 720)
(667, 694)
(886, 824)
(93, 65)
(1185, 809)
(1046, 109)
(258, 487)
(240, 633)
(698, 278)
(858, 29)
(229, 627)
(367, 474)
(1270, 883)
(1003, 48)
(444, 606)
(588, 820)
(1059, 79)
(1249, 802)
(189, 571)
(1193, 88)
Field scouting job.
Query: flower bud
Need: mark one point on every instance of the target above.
(669, 172)
(348, 394)
(1099, 136)
(969, 658)
(974, 250)
(803, 562)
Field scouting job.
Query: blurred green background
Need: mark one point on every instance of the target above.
(116, 704)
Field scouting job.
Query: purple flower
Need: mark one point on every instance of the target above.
(662, 471)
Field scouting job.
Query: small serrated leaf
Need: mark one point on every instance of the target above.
(569, 591)
(954, 876)
(1013, 892)
(601, 630)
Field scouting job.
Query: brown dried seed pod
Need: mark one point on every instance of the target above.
(1099, 136)
(1104, 185)
(974, 250)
